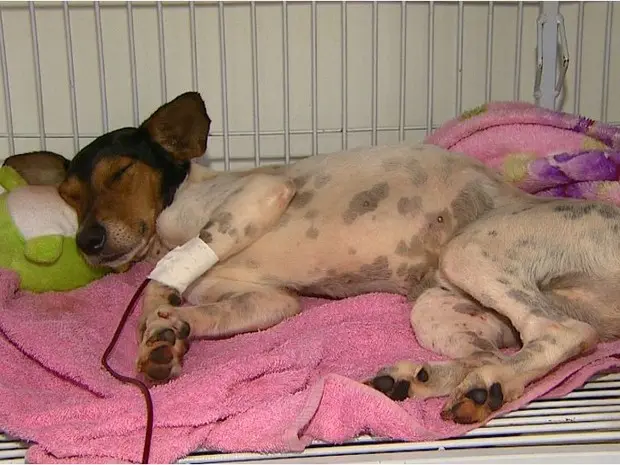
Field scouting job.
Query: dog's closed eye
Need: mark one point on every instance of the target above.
(119, 174)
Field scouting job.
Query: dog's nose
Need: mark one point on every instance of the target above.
(91, 239)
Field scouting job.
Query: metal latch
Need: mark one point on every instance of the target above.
(541, 21)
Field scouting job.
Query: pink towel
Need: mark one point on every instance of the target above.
(273, 390)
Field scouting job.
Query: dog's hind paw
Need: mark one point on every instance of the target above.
(475, 405)
(482, 392)
(163, 345)
(402, 380)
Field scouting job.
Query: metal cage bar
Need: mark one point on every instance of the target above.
(489, 57)
(458, 103)
(403, 71)
(193, 46)
(344, 76)
(431, 64)
(313, 79)
(223, 77)
(100, 58)
(374, 83)
(8, 114)
(578, 56)
(255, 89)
(38, 86)
(162, 52)
(548, 50)
(606, 61)
(286, 86)
(71, 74)
(516, 89)
(133, 65)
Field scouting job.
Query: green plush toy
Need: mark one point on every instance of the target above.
(37, 237)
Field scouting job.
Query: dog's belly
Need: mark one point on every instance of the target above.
(376, 227)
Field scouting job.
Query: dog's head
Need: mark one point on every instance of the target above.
(120, 182)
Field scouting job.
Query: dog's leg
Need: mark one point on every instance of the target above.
(549, 336)
(452, 325)
(245, 215)
(241, 307)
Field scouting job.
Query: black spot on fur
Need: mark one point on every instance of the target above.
(312, 233)
(311, 214)
(466, 308)
(284, 220)
(252, 264)
(409, 205)
(301, 181)
(321, 179)
(225, 296)
(577, 210)
(480, 343)
(366, 202)
(379, 268)
(538, 304)
(250, 230)
(206, 236)
(471, 203)
(301, 199)
(375, 275)
(417, 173)
(223, 221)
(411, 166)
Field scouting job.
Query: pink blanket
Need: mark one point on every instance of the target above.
(273, 390)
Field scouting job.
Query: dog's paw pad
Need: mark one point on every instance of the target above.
(496, 396)
(382, 383)
(184, 330)
(157, 372)
(394, 389)
(163, 335)
(162, 354)
(479, 396)
(422, 375)
(475, 405)
(400, 390)
(164, 343)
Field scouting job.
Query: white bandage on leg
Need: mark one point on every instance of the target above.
(184, 264)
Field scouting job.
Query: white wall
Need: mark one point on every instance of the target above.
(318, 130)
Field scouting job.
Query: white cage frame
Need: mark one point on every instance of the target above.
(398, 70)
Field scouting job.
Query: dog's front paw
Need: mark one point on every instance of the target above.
(163, 344)
(402, 380)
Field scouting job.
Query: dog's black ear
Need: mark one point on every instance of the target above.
(39, 168)
(181, 126)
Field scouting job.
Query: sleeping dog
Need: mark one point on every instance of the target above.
(487, 265)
